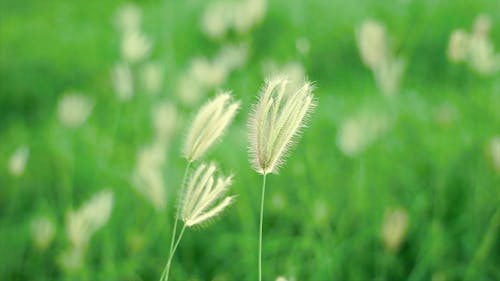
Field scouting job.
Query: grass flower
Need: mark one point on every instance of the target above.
(123, 84)
(135, 46)
(457, 47)
(372, 43)
(276, 121)
(74, 109)
(394, 228)
(42, 232)
(209, 125)
(148, 176)
(92, 215)
(202, 192)
(203, 199)
(275, 124)
(476, 49)
(81, 225)
(128, 17)
(165, 119)
(18, 160)
(221, 16)
(201, 195)
(205, 74)
(375, 53)
(359, 131)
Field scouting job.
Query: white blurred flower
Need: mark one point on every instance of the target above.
(476, 49)
(152, 77)
(135, 46)
(42, 232)
(165, 119)
(372, 43)
(359, 131)
(17, 161)
(482, 55)
(73, 109)
(223, 15)
(121, 77)
(232, 57)
(217, 19)
(128, 17)
(90, 217)
(482, 25)
(207, 73)
(394, 228)
(148, 176)
(388, 76)
(247, 13)
(376, 54)
(458, 45)
(204, 74)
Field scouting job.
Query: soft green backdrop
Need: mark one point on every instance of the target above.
(327, 226)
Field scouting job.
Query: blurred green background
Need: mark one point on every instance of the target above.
(432, 159)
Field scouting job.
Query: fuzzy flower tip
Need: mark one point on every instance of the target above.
(276, 121)
(209, 125)
(201, 199)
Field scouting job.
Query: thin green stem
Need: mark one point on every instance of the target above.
(177, 211)
(176, 220)
(166, 271)
(260, 225)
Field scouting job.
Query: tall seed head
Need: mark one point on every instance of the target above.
(201, 199)
(209, 125)
(276, 120)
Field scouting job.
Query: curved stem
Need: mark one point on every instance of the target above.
(260, 225)
(166, 271)
(174, 231)
(176, 220)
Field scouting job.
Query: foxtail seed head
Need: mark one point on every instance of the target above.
(276, 120)
(201, 199)
(209, 125)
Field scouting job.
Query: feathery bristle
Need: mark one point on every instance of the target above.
(276, 120)
(200, 201)
(209, 125)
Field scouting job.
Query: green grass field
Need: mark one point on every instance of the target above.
(325, 210)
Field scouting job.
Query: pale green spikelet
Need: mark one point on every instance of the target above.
(209, 125)
(200, 201)
(276, 120)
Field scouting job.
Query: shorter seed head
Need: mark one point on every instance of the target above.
(201, 199)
